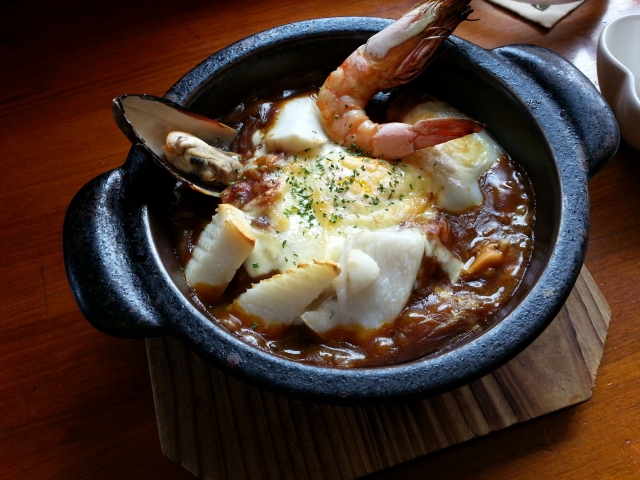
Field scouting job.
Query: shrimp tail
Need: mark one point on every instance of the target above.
(397, 140)
(434, 131)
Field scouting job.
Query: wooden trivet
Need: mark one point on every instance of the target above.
(220, 428)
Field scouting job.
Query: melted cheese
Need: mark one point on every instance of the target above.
(326, 196)
(454, 166)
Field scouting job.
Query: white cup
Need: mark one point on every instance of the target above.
(619, 74)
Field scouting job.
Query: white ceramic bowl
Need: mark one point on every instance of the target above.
(619, 74)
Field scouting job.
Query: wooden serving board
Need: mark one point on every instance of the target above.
(220, 428)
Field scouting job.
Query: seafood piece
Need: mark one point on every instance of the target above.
(361, 270)
(223, 246)
(392, 57)
(194, 157)
(454, 167)
(146, 121)
(489, 256)
(451, 265)
(282, 298)
(297, 127)
(397, 257)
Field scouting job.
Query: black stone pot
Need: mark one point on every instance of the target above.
(127, 280)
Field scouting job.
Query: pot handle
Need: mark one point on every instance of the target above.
(576, 96)
(103, 261)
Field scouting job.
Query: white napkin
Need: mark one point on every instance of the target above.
(545, 15)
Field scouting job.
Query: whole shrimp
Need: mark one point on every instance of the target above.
(392, 57)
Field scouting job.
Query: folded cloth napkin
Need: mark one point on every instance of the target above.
(546, 15)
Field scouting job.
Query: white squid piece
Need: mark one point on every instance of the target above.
(297, 127)
(223, 246)
(282, 298)
(397, 257)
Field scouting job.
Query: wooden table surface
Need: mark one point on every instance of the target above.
(75, 403)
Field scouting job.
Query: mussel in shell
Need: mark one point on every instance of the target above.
(192, 147)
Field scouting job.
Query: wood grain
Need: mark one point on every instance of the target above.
(556, 371)
(75, 403)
